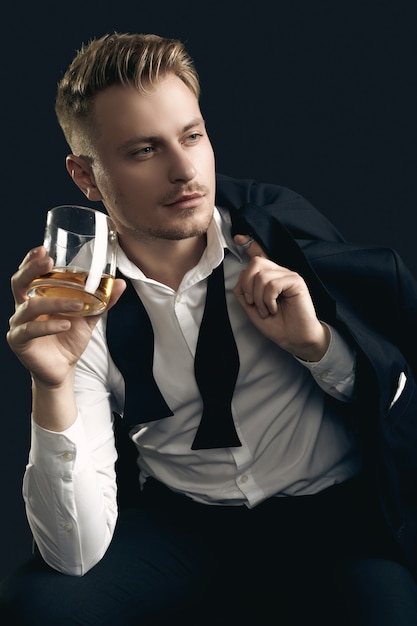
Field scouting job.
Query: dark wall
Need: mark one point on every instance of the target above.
(317, 96)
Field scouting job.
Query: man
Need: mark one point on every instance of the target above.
(303, 509)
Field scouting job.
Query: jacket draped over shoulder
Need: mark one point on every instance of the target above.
(371, 297)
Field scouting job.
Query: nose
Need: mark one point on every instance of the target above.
(181, 168)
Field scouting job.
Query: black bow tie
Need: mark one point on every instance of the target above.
(131, 343)
(216, 367)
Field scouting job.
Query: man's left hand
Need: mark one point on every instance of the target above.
(278, 303)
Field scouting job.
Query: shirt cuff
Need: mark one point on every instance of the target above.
(335, 372)
(60, 454)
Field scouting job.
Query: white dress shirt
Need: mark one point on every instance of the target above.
(292, 444)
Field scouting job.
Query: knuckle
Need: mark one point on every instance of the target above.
(295, 276)
(14, 281)
(27, 305)
(9, 336)
(11, 322)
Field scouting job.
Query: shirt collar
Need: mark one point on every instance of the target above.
(219, 238)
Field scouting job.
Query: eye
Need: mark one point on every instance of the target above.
(142, 152)
(194, 137)
(146, 150)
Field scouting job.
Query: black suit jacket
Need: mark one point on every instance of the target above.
(368, 294)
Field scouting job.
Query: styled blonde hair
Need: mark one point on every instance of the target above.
(139, 60)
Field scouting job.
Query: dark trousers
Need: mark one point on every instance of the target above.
(325, 559)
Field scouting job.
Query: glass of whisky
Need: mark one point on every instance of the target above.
(82, 243)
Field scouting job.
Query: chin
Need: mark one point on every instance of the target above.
(194, 223)
(180, 234)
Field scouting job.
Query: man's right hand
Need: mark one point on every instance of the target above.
(47, 342)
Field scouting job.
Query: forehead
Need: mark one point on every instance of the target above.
(124, 110)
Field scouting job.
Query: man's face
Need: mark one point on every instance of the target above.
(154, 165)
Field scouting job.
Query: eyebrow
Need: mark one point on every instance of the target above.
(133, 141)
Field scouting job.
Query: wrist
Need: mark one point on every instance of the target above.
(315, 351)
(53, 406)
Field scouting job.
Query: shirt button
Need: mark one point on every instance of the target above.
(67, 456)
(324, 374)
(244, 478)
(178, 298)
(67, 526)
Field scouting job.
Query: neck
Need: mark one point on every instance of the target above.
(164, 260)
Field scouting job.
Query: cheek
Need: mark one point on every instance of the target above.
(114, 185)
(210, 165)
(103, 180)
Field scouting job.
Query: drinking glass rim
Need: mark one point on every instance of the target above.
(80, 206)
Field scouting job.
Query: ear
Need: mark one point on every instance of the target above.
(80, 171)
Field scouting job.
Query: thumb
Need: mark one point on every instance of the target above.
(251, 247)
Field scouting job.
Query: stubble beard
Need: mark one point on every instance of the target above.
(175, 234)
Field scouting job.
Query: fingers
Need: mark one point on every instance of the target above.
(266, 286)
(248, 290)
(44, 312)
(38, 317)
(260, 290)
(19, 335)
(35, 253)
(35, 263)
(38, 307)
(250, 246)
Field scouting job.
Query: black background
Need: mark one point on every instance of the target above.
(318, 96)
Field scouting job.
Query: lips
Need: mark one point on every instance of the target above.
(183, 202)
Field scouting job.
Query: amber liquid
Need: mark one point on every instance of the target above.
(70, 283)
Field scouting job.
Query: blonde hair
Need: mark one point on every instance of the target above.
(139, 60)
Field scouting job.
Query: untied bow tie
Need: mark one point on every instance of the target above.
(131, 343)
